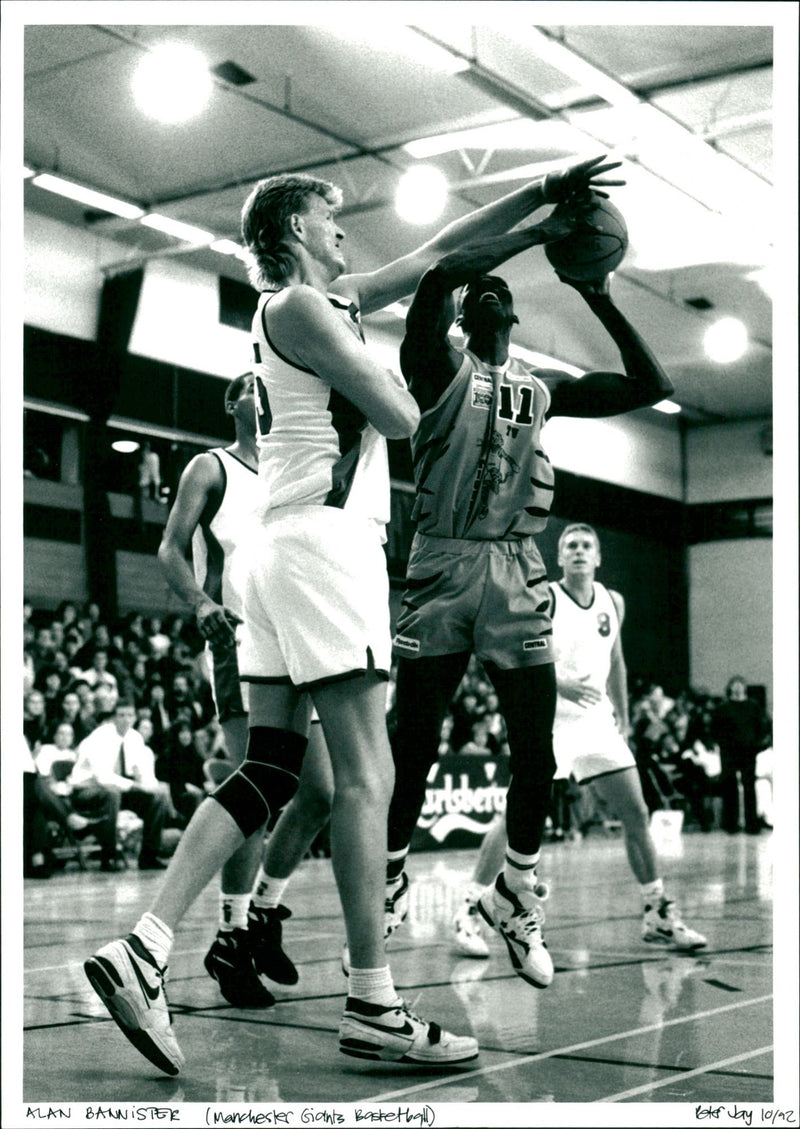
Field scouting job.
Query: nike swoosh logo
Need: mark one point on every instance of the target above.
(151, 993)
(406, 1031)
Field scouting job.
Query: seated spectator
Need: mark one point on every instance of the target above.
(34, 720)
(184, 770)
(160, 717)
(81, 810)
(445, 746)
(115, 757)
(478, 743)
(70, 714)
(104, 698)
(183, 700)
(98, 674)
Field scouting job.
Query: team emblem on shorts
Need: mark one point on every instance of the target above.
(406, 644)
(603, 624)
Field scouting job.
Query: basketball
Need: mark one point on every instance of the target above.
(588, 254)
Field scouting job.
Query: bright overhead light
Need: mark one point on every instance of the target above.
(421, 195)
(227, 247)
(569, 63)
(668, 407)
(178, 230)
(87, 196)
(172, 83)
(27, 173)
(125, 446)
(403, 40)
(726, 340)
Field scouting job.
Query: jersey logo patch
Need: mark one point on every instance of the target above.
(481, 391)
(534, 644)
(406, 643)
(603, 624)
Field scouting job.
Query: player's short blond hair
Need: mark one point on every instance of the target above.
(578, 527)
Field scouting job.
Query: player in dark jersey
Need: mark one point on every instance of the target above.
(476, 583)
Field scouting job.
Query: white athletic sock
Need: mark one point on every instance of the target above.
(233, 911)
(373, 985)
(268, 890)
(652, 891)
(156, 937)
(519, 870)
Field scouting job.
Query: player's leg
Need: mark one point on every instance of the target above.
(239, 807)
(376, 1024)
(290, 840)
(425, 689)
(622, 792)
(513, 905)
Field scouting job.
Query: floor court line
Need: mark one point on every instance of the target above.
(684, 1074)
(524, 1060)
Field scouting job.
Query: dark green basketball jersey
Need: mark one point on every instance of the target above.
(480, 470)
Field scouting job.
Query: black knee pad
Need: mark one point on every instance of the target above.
(266, 780)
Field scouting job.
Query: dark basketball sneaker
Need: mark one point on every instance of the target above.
(131, 985)
(393, 1034)
(230, 963)
(265, 930)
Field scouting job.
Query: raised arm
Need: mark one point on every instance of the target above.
(305, 329)
(427, 359)
(379, 288)
(596, 394)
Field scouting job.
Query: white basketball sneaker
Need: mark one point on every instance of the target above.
(394, 1034)
(518, 918)
(469, 940)
(662, 926)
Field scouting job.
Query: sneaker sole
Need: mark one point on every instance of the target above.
(671, 943)
(515, 963)
(473, 954)
(357, 1048)
(124, 1015)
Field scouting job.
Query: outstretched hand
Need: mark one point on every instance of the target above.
(588, 287)
(587, 176)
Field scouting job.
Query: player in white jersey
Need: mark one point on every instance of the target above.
(589, 738)
(217, 510)
(476, 582)
(319, 572)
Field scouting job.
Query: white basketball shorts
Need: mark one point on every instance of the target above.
(316, 605)
(590, 745)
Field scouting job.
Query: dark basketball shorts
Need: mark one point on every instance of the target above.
(487, 597)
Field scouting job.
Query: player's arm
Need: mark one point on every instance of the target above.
(427, 359)
(617, 684)
(596, 394)
(201, 478)
(379, 288)
(304, 327)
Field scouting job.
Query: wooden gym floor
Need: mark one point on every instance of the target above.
(621, 1023)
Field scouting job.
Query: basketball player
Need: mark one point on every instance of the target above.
(589, 739)
(217, 503)
(316, 609)
(476, 582)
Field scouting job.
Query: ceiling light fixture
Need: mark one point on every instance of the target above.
(726, 340)
(178, 230)
(227, 247)
(575, 67)
(88, 196)
(27, 173)
(172, 83)
(124, 446)
(519, 133)
(668, 407)
(421, 195)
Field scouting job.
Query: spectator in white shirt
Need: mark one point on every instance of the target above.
(115, 758)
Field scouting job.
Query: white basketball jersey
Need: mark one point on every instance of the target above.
(219, 534)
(583, 640)
(319, 448)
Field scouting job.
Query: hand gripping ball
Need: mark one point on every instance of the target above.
(590, 253)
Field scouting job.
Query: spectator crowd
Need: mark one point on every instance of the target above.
(696, 753)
